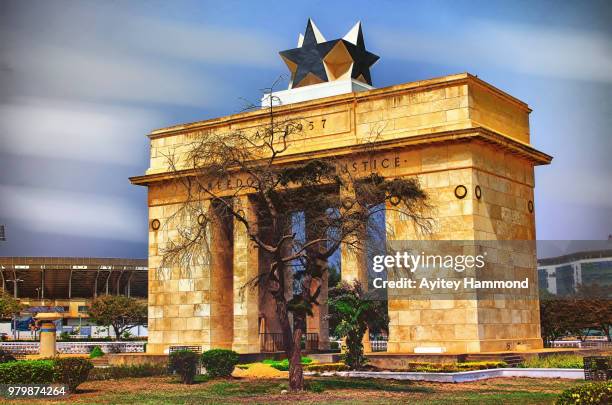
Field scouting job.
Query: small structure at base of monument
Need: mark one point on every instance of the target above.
(48, 337)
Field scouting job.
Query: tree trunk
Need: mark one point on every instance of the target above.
(117, 332)
(292, 344)
(296, 372)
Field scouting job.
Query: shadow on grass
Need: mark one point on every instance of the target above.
(330, 383)
(496, 398)
(84, 391)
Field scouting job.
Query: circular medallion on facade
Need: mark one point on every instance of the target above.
(530, 206)
(478, 192)
(460, 191)
(155, 224)
(201, 220)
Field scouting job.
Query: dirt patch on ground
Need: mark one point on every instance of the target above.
(260, 370)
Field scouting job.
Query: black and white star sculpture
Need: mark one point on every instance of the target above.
(316, 60)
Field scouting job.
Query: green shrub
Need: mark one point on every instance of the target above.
(117, 372)
(64, 336)
(554, 361)
(453, 367)
(71, 371)
(334, 345)
(27, 372)
(96, 352)
(283, 365)
(5, 357)
(219, 362)
(326, 367)
(480, 365)
(185, 363)
(592, 394)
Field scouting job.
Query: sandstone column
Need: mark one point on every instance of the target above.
(318, 323)
(221, 278)
(353, 262)
(246, 298)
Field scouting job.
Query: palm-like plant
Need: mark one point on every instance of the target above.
(354, 311)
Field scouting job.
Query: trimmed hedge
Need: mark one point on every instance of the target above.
(117, 372)
(27, 372)
(588, 394)
(71, 371)
(453, 367)
(219, 362)
(185, 363)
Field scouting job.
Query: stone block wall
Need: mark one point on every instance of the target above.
(445, 132)
(474, 322)
(179, 300)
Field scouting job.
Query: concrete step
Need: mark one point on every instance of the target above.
(100, 361)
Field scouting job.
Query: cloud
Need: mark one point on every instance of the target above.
(202, 43)
(75, 131)
(86, 74)
(70, 213)
(111, 53)
(586, 189)
(551, 52)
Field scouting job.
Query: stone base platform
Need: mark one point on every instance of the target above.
(388, 361)
(396, 361)
(464, 376)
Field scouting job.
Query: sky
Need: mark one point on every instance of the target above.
(83, 82)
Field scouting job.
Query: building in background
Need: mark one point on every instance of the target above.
(563, 274)
(68, 285)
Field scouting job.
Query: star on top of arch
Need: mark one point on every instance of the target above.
(316, 60)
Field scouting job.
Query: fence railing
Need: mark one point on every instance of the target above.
(20, 347)
(271, 342)
(587, 344)
(75, 347)
(311, 342)
(378, 345)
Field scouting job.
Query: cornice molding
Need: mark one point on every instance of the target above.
(465, 135)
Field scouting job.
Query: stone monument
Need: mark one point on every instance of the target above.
(467, 142)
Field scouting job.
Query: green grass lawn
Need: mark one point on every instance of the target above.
(334, 390)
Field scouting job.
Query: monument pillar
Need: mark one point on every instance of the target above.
(318, 322)
(246, 267)
(353, 261)
(221, 277)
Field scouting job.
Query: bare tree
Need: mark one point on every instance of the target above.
(336, 204)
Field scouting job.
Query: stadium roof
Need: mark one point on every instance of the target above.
(73, 277)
